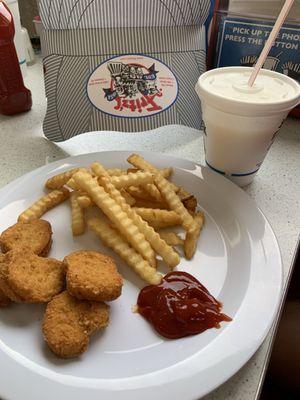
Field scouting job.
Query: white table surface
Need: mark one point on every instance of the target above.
(276, 188)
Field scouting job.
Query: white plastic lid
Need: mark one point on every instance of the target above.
(227, 89)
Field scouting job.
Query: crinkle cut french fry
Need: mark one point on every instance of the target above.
(77, 213)
(174, 202)
(161, 224)
(141, 163)
(165, 172)
(115, 213)
(171, 238)
(115, 241)
(132, 179)
(192, 235)
(117, 196)
(122, 198)
(72, 184)
(129, 199)
(116, 171)
(158, 215)
(190, 203)
(159, 245)
(129, 170)
(150, 204)
(44, 204)
(153, 191)
(134, 191)
(98, 169)
(139, 193)
(84, 200)
(59, 180)
(182, 193)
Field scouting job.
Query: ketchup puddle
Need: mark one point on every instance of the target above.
(180, 306)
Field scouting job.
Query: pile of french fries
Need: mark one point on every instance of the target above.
(138, 203)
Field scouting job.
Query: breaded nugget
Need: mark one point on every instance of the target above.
(35, 279)
(92, 276)
(68, 323)
(4, 286)
(34, 235)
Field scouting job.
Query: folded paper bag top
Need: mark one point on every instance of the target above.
(122, 65)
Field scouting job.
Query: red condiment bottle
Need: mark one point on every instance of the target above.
(14, 96)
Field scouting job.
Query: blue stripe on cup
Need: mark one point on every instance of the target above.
(248, 173)
(215, 169)
(224, 173)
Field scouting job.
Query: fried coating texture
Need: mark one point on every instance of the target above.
(35, 279)
(4, 286)
(68, 323)
(34, 235)
(92, 276)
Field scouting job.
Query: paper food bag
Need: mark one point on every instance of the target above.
(126, 65)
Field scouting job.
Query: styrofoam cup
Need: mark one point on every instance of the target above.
(241, 123)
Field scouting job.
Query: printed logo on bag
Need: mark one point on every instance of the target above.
(132, 86)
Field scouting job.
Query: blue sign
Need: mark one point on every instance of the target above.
(240, 42)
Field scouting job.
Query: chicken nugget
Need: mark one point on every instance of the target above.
(4, 286)
(92, 276)
(35, 279)
(34, 235)
(68, 323)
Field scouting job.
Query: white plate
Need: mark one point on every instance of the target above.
(237, 259)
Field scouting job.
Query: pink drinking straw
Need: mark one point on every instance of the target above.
(265, 51)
